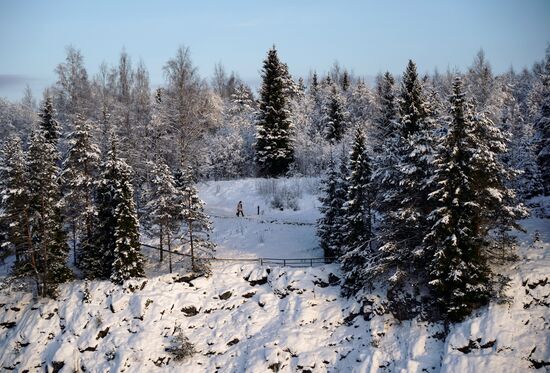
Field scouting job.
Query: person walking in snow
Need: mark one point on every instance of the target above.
(240, 208)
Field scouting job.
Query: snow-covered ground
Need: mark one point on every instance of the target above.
(274, 233)
(252, 318)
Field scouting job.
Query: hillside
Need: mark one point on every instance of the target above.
(247, 317)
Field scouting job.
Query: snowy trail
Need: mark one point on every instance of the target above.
(274, 233)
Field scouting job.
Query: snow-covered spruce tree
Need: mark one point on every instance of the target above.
(116, 254)
(197, 225)
(346, 81)
(329, 226)
(402, 178)
(386, 115)
(471, 200)
(402, 175)
(127, 258)
(80, 170)
(411, 101)
(14, 200)
(341, 194)
(46, 259)
(335, 116)
(542, 125)
(357, 250)
(163, 209)
(48, 124)
(274, 148)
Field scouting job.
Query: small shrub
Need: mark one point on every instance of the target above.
(180, 347)
(110, 355)
(98, 320)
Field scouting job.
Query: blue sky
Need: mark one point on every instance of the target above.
(366, 36)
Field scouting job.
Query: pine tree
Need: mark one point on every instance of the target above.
(472, 200)
(14, 200)
(358, 216)
(274, 149)
(79, 178)
(197, 225)
(163, 209)
(335, 116)
(46, 259)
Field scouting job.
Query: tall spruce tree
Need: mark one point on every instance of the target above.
(128, 260)
(384, 121)
(274, 148)
(411, 103)
(341, 194)
(402, 177)
(197, 225)
(334, 116)
(358, 216)
(79, 178)
(46, 258)
(472, 200)
(116, 254)
(14, 200)
(48, 124)
(329, 226)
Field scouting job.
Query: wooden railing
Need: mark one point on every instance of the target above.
(285, 262)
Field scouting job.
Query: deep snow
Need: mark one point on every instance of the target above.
(253, 318)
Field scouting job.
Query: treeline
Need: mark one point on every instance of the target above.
(115, 155)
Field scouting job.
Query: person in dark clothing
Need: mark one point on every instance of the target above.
(240, 208)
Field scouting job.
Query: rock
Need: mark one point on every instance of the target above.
(475, 345)
(320, 283)
(8, 324)
(57, 366)
(257, 277)
(189, 311)
(226, 295)
(233, 342)
(333, 280)
(102, 333)
(91, 349)
(250, 294)
(187, 278)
